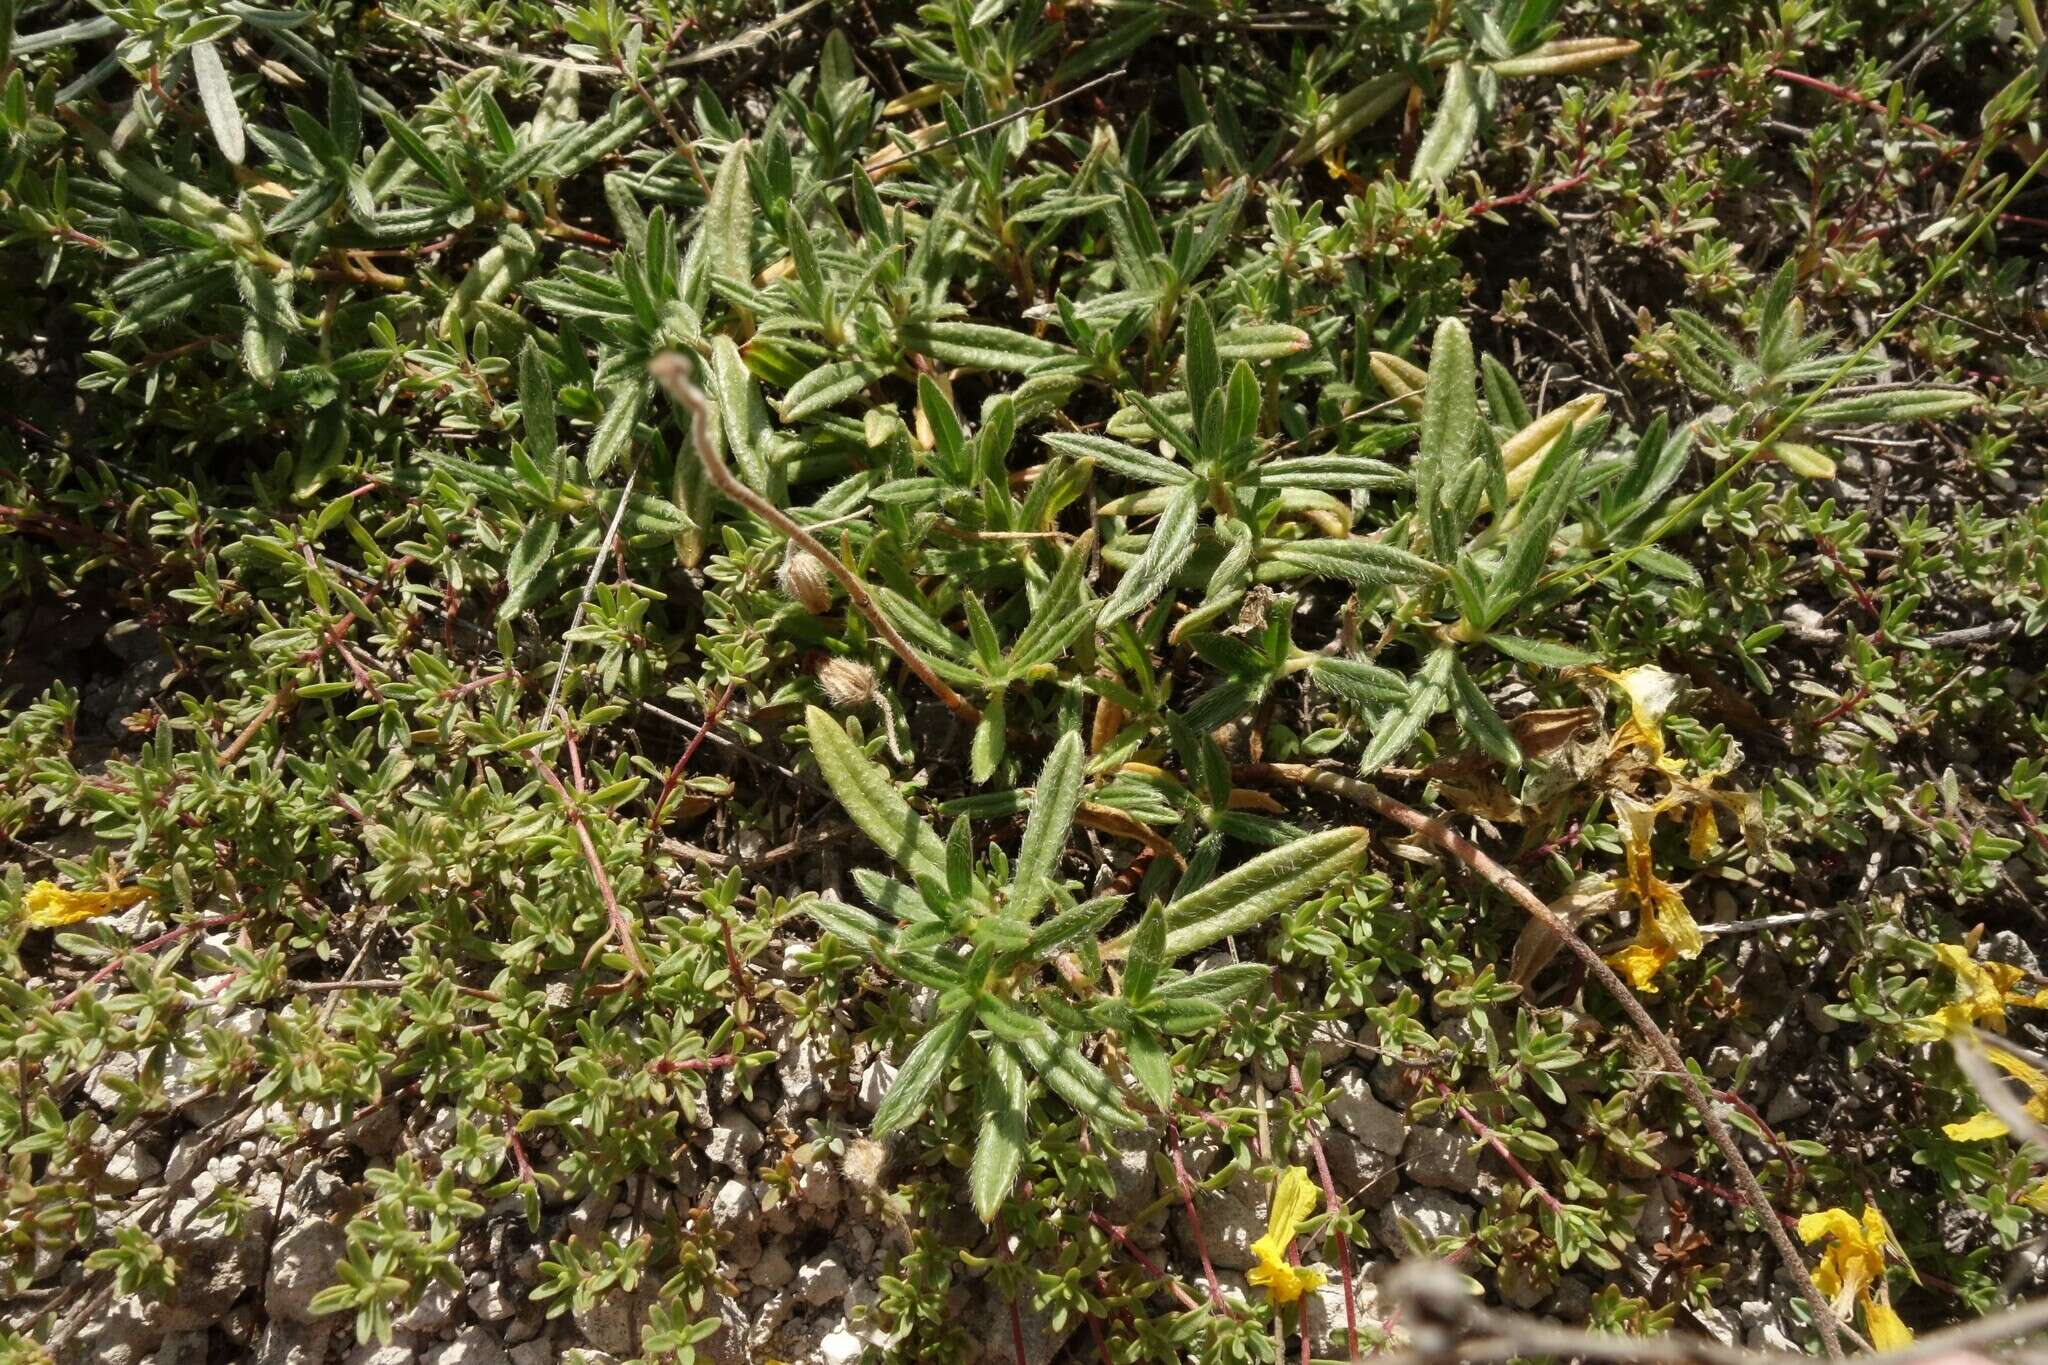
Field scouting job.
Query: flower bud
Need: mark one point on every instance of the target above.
(846, 683)
(805, 580)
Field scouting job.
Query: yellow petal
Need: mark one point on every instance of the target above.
(2024, 1072)
(1887, 1332)
(1949, 1021)
(1283, 1283)
(1877, 1233)
(48, 905)
(2035, 1196)
(1853, 1259)
(1639, 965)
(1705, 834)
(2003, 975)
(1294, 1201)
(1650, 692)
(1671, 924)
(1982, 1128)
(1839, 1224)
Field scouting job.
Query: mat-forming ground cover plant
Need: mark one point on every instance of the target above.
(738, 681)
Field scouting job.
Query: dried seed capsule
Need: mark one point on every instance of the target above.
(806, 581)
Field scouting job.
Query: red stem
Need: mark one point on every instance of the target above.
(1117, 1235)
(1187, 1197)
(182, 931)
(675, 774)
(1492, 1139)
(619, 928)
(1335, 1205)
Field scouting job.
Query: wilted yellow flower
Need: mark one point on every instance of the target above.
(1987, 988)
(48, 905)
(1703, 835)
(1650, 691)
(1293, 1201)
(1851, 1272)
(1987, 1125)
(1639, 964)
(1667, 931)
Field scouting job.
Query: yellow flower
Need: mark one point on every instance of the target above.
(1987, 988)
(1293, 1201)
(48, 905)
(1851, 1272)
(1985, 1126)
(1667, 931)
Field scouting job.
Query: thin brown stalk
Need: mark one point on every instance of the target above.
(1516, 890)
(184, 930)
(673, 372)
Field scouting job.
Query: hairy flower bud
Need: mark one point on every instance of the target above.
(865, 1163)
(846, 683)
(806, 581)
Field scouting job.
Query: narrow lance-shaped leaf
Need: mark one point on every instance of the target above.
(728, 218)
(744, 415)
(1400, 727)
(871, 800)
(999, 1150)
(1219, 986)
(1045, 834)
(537, 412)
(1481, 722)
(526, 567)
(344, 112)
(1173, 540)
(1450, 419)
(1127, 460)
(622, 404)
(827, 386)
(1147, 955)
(217, 98)
(1356, 680)
(920, 1074)
(1452, 131)
(985, 751)
(1204, 368)
(1540, 513)
(1267, 885)
(1058, 1063)
(1150, 1063)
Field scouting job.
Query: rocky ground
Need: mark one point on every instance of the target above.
(805, 1242)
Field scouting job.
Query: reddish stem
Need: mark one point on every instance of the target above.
(1187, 1197)
(1844, 93)
(675, 774)
(182, 931)
(618, 926)
(1534, 192)
(1492, 1139)
(1335, 1205)
(1117, 1235)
